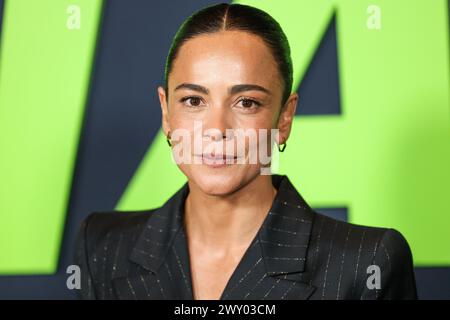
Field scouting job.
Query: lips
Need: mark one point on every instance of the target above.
(218, 156)
(217, 160)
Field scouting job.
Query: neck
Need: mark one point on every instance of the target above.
(231, 220)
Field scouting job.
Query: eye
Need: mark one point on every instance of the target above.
(247, 103)
(191, 101)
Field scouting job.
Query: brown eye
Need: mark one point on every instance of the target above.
(192, 101)
(248, 103)
(195, 101)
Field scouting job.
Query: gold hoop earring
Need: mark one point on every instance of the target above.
(281, 147)
(168, 139)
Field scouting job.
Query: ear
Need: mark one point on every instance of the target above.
(164, 110)
(286, 117)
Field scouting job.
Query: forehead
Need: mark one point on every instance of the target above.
(225, 58)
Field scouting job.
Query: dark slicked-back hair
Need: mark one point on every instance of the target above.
(238, 17)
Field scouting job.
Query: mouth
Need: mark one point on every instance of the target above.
(217, 160)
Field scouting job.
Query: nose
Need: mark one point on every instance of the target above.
(216, 123)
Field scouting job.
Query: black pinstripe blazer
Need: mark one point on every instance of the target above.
(296, 254)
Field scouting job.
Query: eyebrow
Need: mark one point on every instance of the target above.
(193, 87)
(233, 90)
(247, 87)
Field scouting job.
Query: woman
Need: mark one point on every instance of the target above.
(233, 231)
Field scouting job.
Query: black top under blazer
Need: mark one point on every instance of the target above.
(296, 254)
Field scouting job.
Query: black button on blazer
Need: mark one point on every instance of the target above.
(296, 254)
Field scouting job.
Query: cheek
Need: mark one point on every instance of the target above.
(266, 130)
(178, 120)
(264, 119)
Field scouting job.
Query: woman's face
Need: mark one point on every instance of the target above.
(225, 80)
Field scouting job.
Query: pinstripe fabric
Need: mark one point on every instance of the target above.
(296, 254)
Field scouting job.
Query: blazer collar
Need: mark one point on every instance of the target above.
(284, 234)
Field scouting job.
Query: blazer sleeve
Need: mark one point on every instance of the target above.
(81, 258)
(394, 259)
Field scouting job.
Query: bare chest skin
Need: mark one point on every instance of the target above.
(213, 261)
(211, 272)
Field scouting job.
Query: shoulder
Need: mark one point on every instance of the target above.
(354, 240)
(100, 236)
(349, 235)
(103, 231)
(102, 222)
(344, 255)
(103, 226)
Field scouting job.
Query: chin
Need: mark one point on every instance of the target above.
(220, 181)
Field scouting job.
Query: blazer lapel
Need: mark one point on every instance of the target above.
(271, 268)
(274, 264)
(161, 254)
(171, 281)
